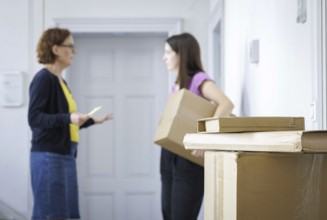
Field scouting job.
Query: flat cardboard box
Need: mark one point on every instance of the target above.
(265, 186)
(246, 124)
(270, 141)
(182, 111)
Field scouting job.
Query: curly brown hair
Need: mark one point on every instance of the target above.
(49, 38)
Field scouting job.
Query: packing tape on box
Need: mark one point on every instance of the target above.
(223, 185)
(309, 173)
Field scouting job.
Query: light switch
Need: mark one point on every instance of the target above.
(11, 88)
(254, 51)
(301, 11)
(313, 111)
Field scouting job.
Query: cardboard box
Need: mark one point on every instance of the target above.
(246, 124)
(270, 141)
(180, 116)
(265, 186)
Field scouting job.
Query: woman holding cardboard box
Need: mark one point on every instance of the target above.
(183, 180)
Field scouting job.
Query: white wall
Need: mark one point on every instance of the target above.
(281, 83)
(14, 135)
(21, 24)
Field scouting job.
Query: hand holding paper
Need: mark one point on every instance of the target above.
(94, 110)
(99, 119)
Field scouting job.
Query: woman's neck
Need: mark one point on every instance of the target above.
(55, 69)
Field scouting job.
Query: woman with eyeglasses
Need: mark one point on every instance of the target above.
(55, 123)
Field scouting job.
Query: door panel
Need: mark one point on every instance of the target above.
(118, 164)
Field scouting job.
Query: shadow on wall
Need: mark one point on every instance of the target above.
(7, 213)
(246, 91)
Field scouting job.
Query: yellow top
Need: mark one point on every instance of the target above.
(74, 136)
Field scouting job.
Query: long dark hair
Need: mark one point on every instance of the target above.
(188, 49)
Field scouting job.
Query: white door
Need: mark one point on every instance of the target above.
(118, 164)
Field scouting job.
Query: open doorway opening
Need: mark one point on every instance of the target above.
(324, 64)
(217, 64)
(216, 68)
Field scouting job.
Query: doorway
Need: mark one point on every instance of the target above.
(324, 64)
(118, 164)
(216, 48)
(217, 63)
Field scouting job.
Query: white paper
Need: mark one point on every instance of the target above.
(94, 110)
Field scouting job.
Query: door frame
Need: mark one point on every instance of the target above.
(216, 21)
(127, 26)
(319, 103)
(169, 26)
(323, 90)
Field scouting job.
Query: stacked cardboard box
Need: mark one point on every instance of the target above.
(246, 124)
(269, 186)
(181, 114)
(273, 141)
(274, 174)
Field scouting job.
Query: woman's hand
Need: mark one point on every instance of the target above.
(101, 119)
(78, 118)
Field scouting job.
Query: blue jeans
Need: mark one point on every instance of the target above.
(54, 185)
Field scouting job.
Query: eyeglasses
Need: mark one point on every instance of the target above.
(71, 46)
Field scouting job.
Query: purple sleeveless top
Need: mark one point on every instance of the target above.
(197, 80)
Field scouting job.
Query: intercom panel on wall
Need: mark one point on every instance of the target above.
(11, 88)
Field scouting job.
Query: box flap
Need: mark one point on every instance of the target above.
(314, 141)
(246, 124)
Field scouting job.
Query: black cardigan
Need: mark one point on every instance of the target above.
(48, 115)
